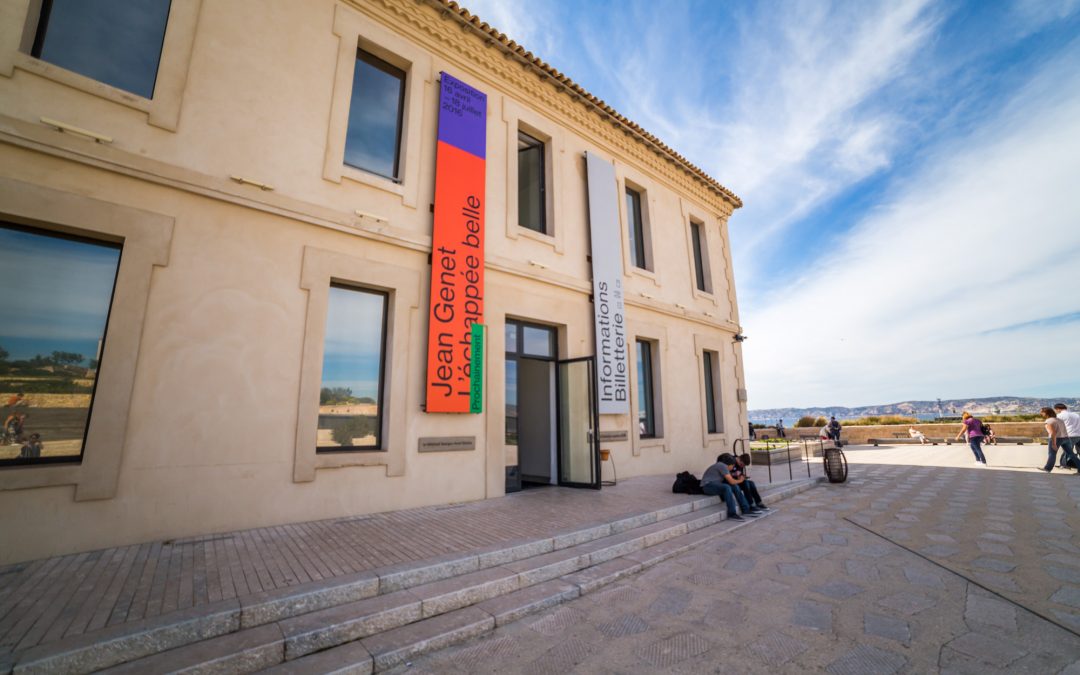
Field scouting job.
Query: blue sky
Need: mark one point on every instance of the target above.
(910, 171)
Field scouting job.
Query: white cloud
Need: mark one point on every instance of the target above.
(982, 239)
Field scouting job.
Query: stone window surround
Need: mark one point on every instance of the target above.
(402, 286)
(690, 214)
(146, 238)
(629, 179)
(657, 335)
(716, 344)
(356, 31)
(18, 23)
(519, 118)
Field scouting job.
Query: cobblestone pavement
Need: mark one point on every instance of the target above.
(806, 589)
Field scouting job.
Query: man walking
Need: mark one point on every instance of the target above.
(1072, 429)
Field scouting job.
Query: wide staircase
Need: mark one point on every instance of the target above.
(374, 621)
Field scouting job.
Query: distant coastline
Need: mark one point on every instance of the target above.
(923, 410)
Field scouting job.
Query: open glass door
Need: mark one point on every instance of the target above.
(579, 442)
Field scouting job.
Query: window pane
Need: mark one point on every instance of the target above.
(511, 337)
(530, 183)
(699, 267)
(57, 302)
(636, 230)
(117, 42)
(511, 402)
(710, 393)
(646, 420)
(538, 341)
(375, 110)
(350, 400)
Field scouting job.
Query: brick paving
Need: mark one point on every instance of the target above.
(45, 600)
(835, 581)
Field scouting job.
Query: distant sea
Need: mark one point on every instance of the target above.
(922, 417)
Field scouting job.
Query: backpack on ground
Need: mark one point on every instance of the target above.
(686, 483)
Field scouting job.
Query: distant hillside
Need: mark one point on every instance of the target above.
(951, 407)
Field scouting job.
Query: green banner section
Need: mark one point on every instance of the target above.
(476, 369)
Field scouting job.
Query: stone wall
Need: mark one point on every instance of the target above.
(860, 435)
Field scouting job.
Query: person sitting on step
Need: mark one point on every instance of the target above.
(718, 481)
(748, 486)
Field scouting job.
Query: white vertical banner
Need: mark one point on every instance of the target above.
(612, 372)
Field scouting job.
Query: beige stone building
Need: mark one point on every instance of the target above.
(216, 248)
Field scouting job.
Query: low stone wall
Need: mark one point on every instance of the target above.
(860, 435)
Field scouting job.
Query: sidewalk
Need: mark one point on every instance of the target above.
(43, 601)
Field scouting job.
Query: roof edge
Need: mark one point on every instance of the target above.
(528, 59)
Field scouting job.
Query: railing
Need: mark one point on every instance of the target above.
(745, 443)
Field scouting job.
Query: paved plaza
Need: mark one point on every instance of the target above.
(922, 562)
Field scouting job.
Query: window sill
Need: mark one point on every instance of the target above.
(705, 295)
(337, 460)
(539, 237)
(373, 180)
(644, 273)
(81, 82)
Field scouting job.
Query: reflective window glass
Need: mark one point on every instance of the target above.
(511, 402)
(373, 140)
(117, 42)
(531, 183)
(350, 400)
(58, 291)
(710, 393)
(538, 341)
(636, 228)
(511, 337)
(699, 263)
(646, 416)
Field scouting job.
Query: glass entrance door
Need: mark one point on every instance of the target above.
(579, 440)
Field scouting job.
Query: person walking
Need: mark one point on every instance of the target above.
(972, 428)
(1056, 439)
(1072, 428)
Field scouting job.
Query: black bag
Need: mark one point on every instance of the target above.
(686, 483)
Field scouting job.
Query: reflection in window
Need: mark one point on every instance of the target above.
(636, 228)
(646, 410)
(350, 400)
(117, 42)
(699, 260)
(710, 392)
(373, 140)
(531, 183)
(539, 341)
(57, 294)
(511, 402)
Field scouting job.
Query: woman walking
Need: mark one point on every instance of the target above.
(972, 427)
(1057, 437)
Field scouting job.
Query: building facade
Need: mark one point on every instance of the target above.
(220, 241)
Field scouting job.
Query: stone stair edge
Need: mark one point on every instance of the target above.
(506, 608)
(159, 634)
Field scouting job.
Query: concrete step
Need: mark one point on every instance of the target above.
(508, 580)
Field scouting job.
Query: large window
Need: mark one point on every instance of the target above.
(528, 341)
(646, 393)
(351, 395)
(710, 362)
(531, 194)
(700, 270)
(373, 139)
(117, 42)
(636, 229)
(57, 295)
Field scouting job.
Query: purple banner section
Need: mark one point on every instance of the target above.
(463, 116)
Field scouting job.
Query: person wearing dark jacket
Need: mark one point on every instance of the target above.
(748, 486)
(718, 481)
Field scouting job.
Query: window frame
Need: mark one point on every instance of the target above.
(378, 447)
(385, 66)
(146, 238)
(519, 352)
(357, 32)
(713, 418)
(718, 345)
(699, 250)
(541, 150)
(163, 110)
(635, 228)
(517, 117)
(320, 269)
